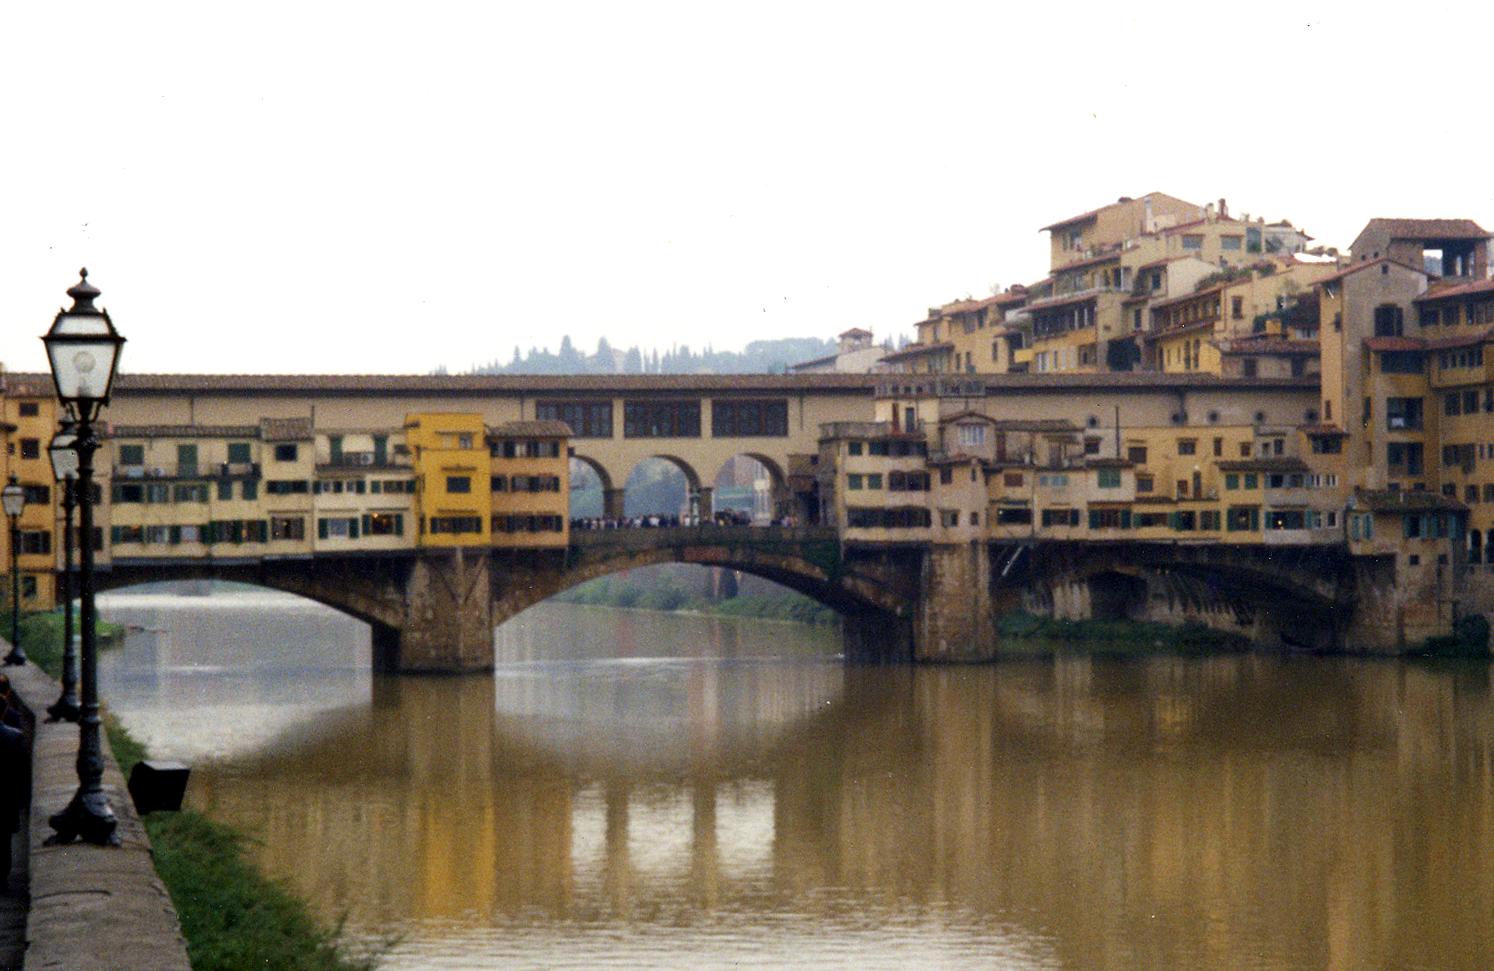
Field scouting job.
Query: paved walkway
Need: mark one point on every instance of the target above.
(90, 906)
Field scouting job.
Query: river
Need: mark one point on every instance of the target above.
(633, 789)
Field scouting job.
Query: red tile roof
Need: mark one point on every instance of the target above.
(854, 332)
(1452, 289)
(1110, 257)
(1171, 230)
(1266, 345)
(1395, 344)
(1365, 265)
(917, 350)
(1461, 340)
(1427, 229)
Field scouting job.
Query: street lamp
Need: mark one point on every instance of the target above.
(83, 351)
(65, 470)
(13, 499)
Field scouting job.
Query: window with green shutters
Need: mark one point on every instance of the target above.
(186, 459)
(225, 490)
(1232, 480)
(132, 455)
(238, 453)
(1110, 478)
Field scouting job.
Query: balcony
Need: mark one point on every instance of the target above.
(194, 471)
(361, 460)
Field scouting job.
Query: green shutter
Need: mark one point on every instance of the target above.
(1125, 519)
(353, 527)
(367, 519)
(321, 529)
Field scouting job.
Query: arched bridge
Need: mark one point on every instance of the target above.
(435, 610)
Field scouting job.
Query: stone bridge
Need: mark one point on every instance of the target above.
(435, 610)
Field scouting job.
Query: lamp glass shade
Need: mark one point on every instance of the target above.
(64, 457)
(13, 499)
(83, 351)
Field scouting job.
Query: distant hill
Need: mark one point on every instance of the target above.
(758, 357)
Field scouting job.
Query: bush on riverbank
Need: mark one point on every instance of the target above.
(667, 594)
(1118, 635)
(233, 917)
(41, 637)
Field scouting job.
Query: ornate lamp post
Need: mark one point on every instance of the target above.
(13, 499)
(65, 470)
(83, 351)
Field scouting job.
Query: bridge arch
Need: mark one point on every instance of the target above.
(876, 597)
(778, 499)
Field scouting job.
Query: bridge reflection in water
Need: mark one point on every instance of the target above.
(1066, 813)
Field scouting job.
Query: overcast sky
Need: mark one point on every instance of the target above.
(386, 188)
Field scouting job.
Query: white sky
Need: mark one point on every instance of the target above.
(387, 187)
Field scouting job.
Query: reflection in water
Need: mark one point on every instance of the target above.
(694, 802)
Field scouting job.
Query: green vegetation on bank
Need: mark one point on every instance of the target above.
(669, 594)
(233, 917)
(1119, 636)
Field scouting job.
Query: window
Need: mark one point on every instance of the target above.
(1252, 480)
(1110, 519)
(587, 419)
(874, 480)
(746, 419)
(661, 419)
(853, 448)
(897, 517)
(1231, 244)
(1389, 320)
(1109, 478)
(1403, 414)
(1060, 517)
(286, 487)
(36, 541)
(128, 492)
(1208, 520)
(1136, 454)
(225, 490)
(1232, 480)
(132, 455)
(1187, 446)
(384, 524)
(337, 527)
(37, 495)
(30, 448)
(1012, 479)
(1193, 241)
(1237, 307)
(1218, 447)
(1402, 362)
(498, 483)
(186, 459)
(30, 409)
(458, 484)
(1145, 483)
(853, 481)
(157, 492)
(1240, 519)
(1452, 405)
(238, 453)
(1286, 519)
(287, 527)
(285, 452)
(972, 436)
(190, 492)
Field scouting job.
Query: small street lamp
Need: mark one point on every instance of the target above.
(65, 470)
(13, 499)
(83, 351)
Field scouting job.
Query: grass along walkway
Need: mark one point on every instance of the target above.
(233, 917)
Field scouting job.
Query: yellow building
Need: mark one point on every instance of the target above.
(185, 491)
(529, 465)
(30, 420)
(450, 461)
(364, 495)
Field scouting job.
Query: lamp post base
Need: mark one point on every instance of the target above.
(63, 710)
(16, 657)
(87, 818)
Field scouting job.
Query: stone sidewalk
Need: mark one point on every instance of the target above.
(91, 907)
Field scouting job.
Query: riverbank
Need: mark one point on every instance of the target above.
(233, 917)
(1117, 636)
(671, 596)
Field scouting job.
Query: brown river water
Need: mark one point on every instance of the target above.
(640, 790)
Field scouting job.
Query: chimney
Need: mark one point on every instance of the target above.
(1147, 224)
(1209, 212)
(1223, 208)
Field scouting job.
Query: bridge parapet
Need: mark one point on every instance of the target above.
(648, 538)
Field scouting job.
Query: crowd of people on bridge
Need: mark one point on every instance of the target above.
(725, 517)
